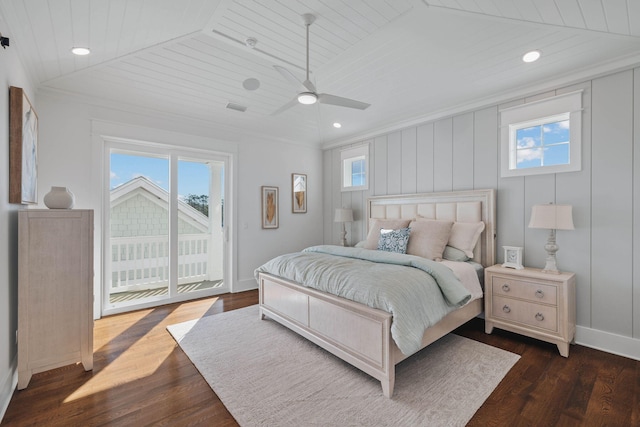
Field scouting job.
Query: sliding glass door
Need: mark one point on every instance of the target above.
(165, 227)
(200, 225)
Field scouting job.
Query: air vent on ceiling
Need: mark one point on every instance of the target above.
(236, 107)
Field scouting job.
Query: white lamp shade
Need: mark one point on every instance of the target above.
(343, 215)
(552, 217)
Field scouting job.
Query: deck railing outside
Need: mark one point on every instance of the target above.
(142, 262)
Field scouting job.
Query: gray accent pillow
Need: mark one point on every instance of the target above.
(454, 254)
(374, 229)
(394, 240)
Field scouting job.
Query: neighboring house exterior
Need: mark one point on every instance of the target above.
(141, 198)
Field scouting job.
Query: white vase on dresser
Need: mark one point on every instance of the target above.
(59, 198)
(55, 290)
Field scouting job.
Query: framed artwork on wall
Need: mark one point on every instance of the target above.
(269, 207)
(299, 193)
(23, 148)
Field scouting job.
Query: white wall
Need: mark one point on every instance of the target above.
(12, 73)
(461, 152)
(68, 154)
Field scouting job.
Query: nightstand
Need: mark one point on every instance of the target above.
(532, 303)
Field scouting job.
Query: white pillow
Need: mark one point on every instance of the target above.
(465, 235)
(428, 238)
(374, 230)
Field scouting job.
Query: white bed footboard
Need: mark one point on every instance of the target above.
(357, 334)
(322, 318)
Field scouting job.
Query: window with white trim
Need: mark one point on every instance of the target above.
(355, 168)
(542, 136)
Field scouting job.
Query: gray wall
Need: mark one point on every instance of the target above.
(462, 152)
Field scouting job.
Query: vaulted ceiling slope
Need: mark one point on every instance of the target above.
(409, 59)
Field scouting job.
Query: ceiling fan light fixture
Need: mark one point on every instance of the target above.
(307, 98)
(309, 94)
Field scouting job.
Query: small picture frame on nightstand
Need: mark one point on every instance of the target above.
(513, 257)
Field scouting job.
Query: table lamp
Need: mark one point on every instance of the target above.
(551, 217)
(343, 215)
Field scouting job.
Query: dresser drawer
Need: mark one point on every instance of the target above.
(540, 316)
(529, 291)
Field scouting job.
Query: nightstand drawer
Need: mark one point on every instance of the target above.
(540, 316)
(529, 291)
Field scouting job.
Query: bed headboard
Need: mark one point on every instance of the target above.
(461, 206)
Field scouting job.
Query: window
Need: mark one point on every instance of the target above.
(540, 143)
(355, 162)
(542, 137)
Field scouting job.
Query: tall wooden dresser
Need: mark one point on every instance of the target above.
(55, 290)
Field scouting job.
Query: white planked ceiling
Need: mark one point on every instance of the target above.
(410, 59)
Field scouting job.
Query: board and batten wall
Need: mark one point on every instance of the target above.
(462, 152)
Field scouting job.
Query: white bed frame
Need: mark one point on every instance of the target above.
(361, 335)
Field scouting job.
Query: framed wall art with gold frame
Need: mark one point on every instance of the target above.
(269, 207)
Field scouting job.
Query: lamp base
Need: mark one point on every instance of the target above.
(551, 247)
(550, 269)
(343, 238)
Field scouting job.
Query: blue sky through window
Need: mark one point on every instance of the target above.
(193, 177)
(543, 145)
(357, 173)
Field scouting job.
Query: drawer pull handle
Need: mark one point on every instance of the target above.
(506, 287)
(506, 309)
(539, 317)
(539, 294)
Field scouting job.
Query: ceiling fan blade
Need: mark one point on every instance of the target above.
(288, 75)
(310, 87)
(286, 106)
(325, 98)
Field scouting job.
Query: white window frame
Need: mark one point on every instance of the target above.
(546, 110)
(347, 157)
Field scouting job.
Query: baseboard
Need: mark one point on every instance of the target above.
(606, 341)
(8, 385)
(245, 285)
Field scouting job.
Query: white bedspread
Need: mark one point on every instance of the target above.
(467, 275)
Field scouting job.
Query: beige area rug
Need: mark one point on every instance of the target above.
(267, 375)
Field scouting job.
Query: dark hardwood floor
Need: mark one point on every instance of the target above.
(589, 388)
(141, 377)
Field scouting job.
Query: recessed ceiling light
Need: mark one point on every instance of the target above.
(337, 125)
(80, 51)
(531, 56)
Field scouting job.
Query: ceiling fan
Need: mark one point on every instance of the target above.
(309, 94)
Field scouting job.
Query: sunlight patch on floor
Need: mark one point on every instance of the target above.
(134, 363)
